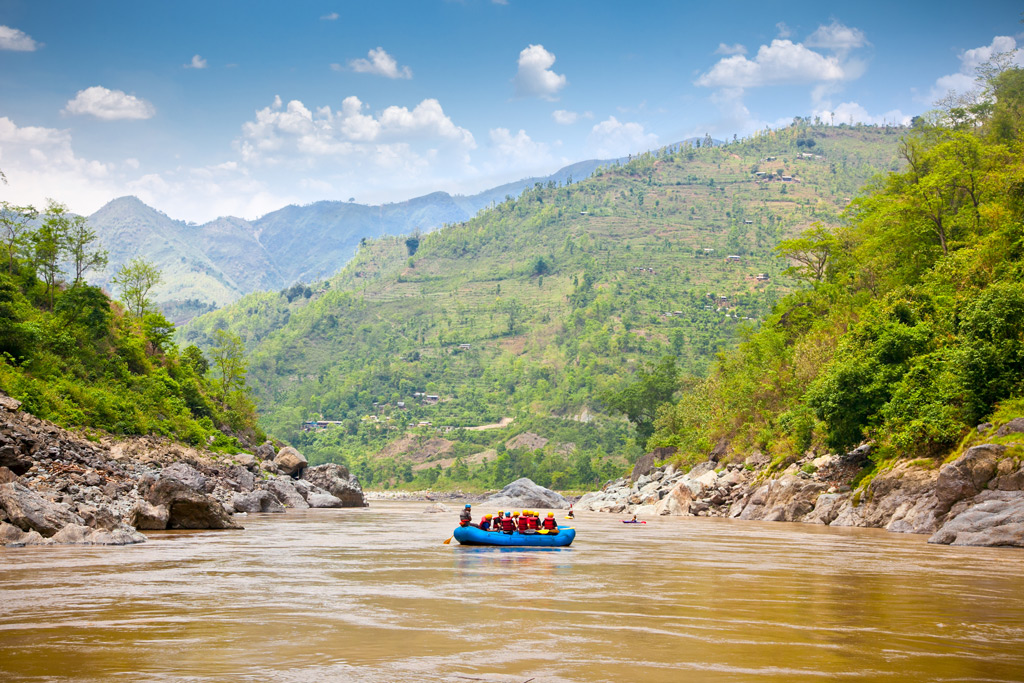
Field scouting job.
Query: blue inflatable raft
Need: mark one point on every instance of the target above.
(470, 535)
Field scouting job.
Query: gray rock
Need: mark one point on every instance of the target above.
(336, 480)
(146, 516)
(290, 461)
(11, 535)
(269, 467)
(98, 517)
(984, 427)
(998, 522)
(15, 457)
(257, 501)
(826, 508)
(265, 451)
(242, 478)
(31, 512)
(1014, 426)
(188, 508)
(72, 534)
(437, 507)
(968, 475)
(524, 493)
(244, 459)
(187, 475)
(323, 500)
(285, 492)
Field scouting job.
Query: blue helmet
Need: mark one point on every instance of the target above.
(508, 514)
(468, 505)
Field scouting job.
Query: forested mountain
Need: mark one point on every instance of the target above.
(210, 265)
(544, 310)
(909, 330)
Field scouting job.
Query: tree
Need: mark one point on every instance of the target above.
(514, 310)
(229, 358)
(84, 249)
(654, 385)
(49, 244)
(15, 226)
(811, 250)
(135, 279)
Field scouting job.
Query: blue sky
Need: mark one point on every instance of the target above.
(217, 108)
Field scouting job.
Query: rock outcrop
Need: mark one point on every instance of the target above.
(188, 508)
(337, 481)
(290, 461)
(524, 493)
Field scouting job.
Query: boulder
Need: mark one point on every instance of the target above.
(186, 474)
(98, 517)
(285, 492)
(336, 480)
(968, 475)
(290, 461)
(72, 534)
(1009, 476)
(524, 493)
(6, 475)
(14, 456)
(1014, 426)
(826, 508)
(31, 512)
(265, 451)
(269, 467)
(901, 499)
(677, 500)
(188, 508)
(993, 522)
(647, 461)
(257, 501)
(322, 499)
(240, 479)
(11, 535)
(244, 459)
(147, 516)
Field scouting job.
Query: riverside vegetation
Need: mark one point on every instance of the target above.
(536, 317)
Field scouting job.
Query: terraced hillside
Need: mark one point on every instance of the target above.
(544, 306)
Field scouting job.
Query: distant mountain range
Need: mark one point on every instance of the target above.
(210, 265)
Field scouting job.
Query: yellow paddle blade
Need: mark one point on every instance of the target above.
(449, 539)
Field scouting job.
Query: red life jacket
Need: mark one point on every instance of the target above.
(485, 524)
(533, 523)
(549, 523)
(524, 524)
(507, 524)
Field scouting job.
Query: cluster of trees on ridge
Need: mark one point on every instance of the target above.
(72, 355)
(910, 329)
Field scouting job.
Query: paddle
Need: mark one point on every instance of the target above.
(449, 539)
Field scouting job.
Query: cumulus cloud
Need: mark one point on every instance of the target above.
(16, 40)
(783, 62)
(612, 138)
(380, 63)
(109, 105)
(965, 80)
(736, 49)
(565, 118)
(535, 77)
(837, 37)
(196, 63)
(518, 150)
(852, 112)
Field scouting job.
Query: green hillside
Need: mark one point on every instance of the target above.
(561, 295)
(912, 335)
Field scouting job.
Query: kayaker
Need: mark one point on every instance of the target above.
(485, 523)
(466, 516)
(508, 525)
(549, 521)
(571, 515)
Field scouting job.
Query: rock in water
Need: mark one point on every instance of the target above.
(188, 508)
(290, 461)
(438, 507)
(148, 517)
(524, 493)
(285, 492)
(31, 512)
(323, 500)
(994, 522)
(257, 501)
(336, 480)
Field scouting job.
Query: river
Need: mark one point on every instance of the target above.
(373, 595)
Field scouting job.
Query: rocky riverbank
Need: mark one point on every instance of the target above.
(975, 499)
(58, 487)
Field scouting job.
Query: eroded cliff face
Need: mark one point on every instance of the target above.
(976, 499)
(57, 487)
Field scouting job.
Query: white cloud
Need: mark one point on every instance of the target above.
(852, 112)
(535, 77)
(18, 41)
(518, 150)
(109, 105)
(837, 37)
(965, 80)
(565, 118)
(380, 63)
(783, 29)
(736, 49)
(333, 16)
(782, 62)
(612, 138)
(196, 63)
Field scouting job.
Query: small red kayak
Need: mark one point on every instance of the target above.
(633, 521)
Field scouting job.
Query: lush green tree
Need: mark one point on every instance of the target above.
(653, 386)
(136, 279)
(228, 356)
(15, 228)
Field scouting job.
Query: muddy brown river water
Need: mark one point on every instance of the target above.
(373, 595)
